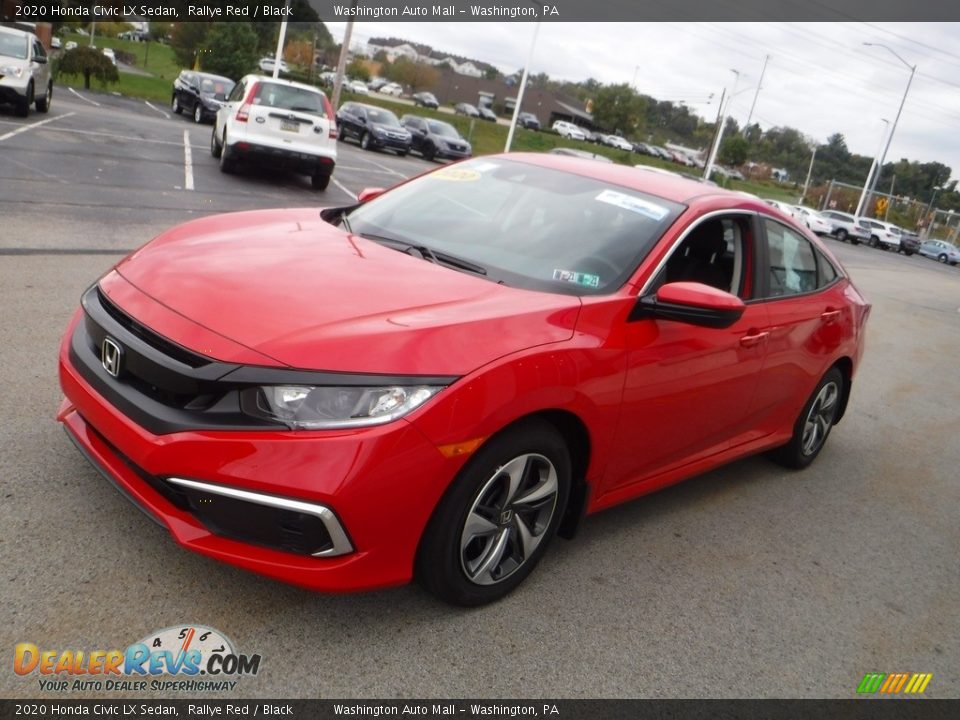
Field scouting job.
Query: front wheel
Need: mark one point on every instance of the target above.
(43, 104)
(429, 151)
(874, 241)
(942, 258)
(365, 141)
(813, 426)
(23, 106)
(841, 235)
(198, 113)
(175, 105)
(498, 517)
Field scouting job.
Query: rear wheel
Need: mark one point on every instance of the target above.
(841, 235)
(175, 105)
(215, 148)
(43, 104)
(854, 241)
(227, 163)
(498, 517)
(320, 181)
(874, 241)
(942, 257)
(814, 423)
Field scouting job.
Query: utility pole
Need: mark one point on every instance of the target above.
(757, 93)
(886, 211)
(342, 62)
(806, 184)
(278, 58)
(723, 121)
(523, 86)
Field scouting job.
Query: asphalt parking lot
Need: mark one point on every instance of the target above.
(749, 581)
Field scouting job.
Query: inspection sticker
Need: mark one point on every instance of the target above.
(455, 174)
(633, 204)
(578, 278)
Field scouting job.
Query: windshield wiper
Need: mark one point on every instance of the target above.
(427, 254)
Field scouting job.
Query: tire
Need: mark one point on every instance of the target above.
(227, 164)
(175, 105)
(23, 107)
(43, 104)
(401, 153)
(320, 181)
(854, 241)
(481, 542)
(942, 257)
(341, 136)
(198, 113)
(842, 235)
(216, 149)
(429, 152)
(908, 253)
(812, 428)
(365, 141)
(874, 241)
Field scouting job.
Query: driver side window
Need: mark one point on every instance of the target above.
(716, 252)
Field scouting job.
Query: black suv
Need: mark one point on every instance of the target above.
(373, 127)
(528, 120)
(200, 94)
(435, 138)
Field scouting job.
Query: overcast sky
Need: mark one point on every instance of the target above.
(820, 78)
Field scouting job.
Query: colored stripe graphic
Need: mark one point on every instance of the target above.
(871, 682)
(894, 683)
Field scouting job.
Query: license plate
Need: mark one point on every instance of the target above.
(289, 126)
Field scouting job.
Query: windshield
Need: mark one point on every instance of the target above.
(14, 46)
(286, 97)
(527, 226)
(442, 128)
(382, 117)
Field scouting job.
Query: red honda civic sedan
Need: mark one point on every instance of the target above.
(434, 382)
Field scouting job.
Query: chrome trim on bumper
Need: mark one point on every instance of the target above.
(341, 544)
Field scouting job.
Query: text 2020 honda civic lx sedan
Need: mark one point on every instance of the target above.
(434, 382)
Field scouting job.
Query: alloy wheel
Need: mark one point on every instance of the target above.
(820, 418)
(508, 519)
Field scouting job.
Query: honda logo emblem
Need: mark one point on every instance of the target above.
(110, 355)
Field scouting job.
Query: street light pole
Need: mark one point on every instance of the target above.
(723, 121)
(873, 166)
(893, 129)
(523, 86)
(757, 93)
(806, 184)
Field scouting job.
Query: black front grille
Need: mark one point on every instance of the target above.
(168, 348)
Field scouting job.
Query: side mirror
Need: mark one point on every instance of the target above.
(368, 194)
(692, 303)
(40, 59)
(362, 120)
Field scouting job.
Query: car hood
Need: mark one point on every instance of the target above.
(399, 129)
(308, 295)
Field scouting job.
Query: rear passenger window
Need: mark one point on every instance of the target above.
(792, 262)
(828, 273)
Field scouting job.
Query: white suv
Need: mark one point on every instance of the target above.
(884, 235)
(24, 72)
(568, 130)
(279, 123)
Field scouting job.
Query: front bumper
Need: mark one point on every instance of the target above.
(449, 153)
(378, 484)
(389, 143)
(13, 89)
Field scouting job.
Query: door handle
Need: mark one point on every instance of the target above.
(755, 338)
(829, 314)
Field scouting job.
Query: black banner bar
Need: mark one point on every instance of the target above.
(857, 709)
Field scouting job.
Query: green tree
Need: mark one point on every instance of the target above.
(232, 49)
(357, 70)
(187, 38)
(618, 107)
(419, 76)
(734, 150)
(90, 63)
(491, 73)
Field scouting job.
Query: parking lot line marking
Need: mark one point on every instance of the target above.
(187, 162)
(83, 98)
(343, 187)
(154, 107)
(31, 126)
(385, 168)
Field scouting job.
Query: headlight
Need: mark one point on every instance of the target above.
(14, 70)
(318, 408)
(378, 131)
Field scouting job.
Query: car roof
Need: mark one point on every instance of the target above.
(669, 187)
(280, 81)
(16, 31)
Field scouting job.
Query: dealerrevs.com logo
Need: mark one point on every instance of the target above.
(188, 658)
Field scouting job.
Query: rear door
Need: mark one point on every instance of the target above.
(287, 116)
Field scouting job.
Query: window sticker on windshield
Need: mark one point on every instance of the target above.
(633, 204)
(578, 278)
(483, 166)
(455, 174)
